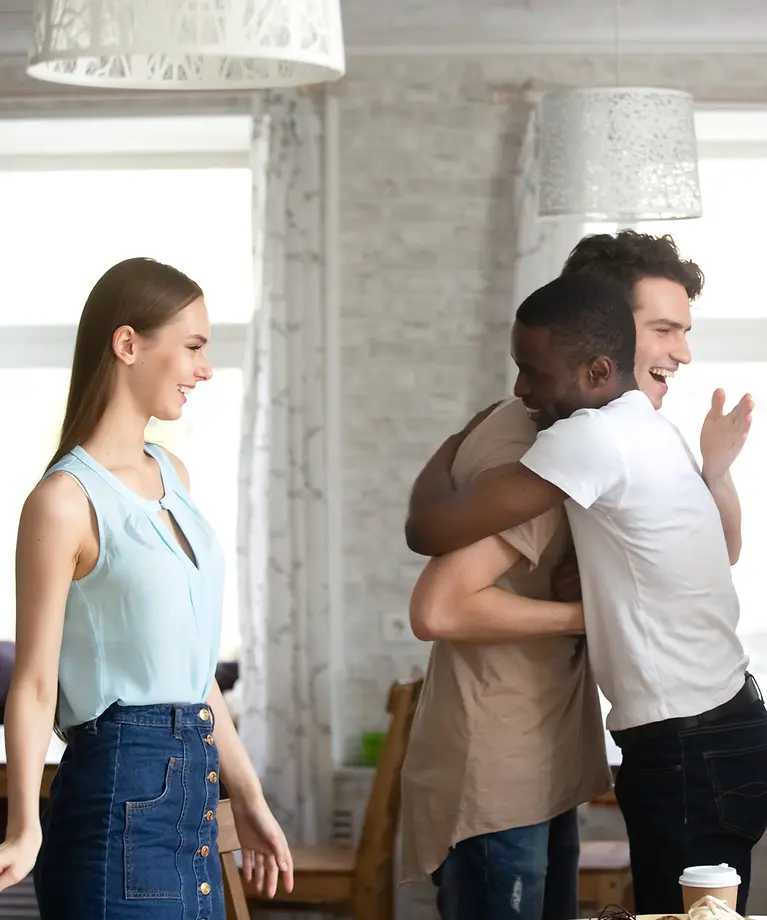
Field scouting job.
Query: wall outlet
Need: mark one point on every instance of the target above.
(396, 627)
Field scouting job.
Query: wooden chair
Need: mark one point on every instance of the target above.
(234, 893)
(604, 870)
(342, 880)
(604, 874)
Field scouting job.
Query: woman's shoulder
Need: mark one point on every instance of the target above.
(58, 499)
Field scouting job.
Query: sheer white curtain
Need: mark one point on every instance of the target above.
(541, 246)
(285, 721)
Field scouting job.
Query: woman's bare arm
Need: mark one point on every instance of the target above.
(54, 524)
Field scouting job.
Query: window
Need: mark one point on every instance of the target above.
(729, 337)
(77, 197)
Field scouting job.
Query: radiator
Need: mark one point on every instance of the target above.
(19, 902)
(352, 787)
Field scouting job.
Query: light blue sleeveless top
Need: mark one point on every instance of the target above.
(144, 626)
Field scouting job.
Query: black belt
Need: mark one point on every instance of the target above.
(749, 693)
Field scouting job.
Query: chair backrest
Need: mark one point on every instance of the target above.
(379, 830)
(234, 893)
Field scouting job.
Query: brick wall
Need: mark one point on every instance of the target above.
(426, 173)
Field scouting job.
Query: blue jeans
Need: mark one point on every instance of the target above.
(694, 797)
(528, 873)
(130, 829)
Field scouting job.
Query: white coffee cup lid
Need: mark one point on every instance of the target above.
(721, 876)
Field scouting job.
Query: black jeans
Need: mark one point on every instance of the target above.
(694, 797)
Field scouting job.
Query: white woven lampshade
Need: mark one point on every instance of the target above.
(619, 154)
(187, 44)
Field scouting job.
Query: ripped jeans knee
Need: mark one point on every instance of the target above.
(527, 873)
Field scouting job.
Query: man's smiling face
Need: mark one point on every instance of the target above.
(662, 316)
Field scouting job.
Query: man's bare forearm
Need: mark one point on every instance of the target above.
(434, 486)
(496, 616)
(435, 480)
(455, 598)
(494, 502)
(725, 495)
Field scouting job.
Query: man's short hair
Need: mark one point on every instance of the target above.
(588, 317)
(628, 257)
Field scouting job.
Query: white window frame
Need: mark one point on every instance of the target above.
(93, 144)
(728, 132)
(131, 143)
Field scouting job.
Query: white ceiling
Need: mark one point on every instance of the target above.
(375, 26)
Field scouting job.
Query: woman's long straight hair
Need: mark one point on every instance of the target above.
(141, 293)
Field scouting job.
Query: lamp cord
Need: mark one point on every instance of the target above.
(617, 42)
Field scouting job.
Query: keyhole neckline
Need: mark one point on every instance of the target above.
(150, 504)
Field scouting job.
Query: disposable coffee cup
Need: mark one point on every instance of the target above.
(718, 881)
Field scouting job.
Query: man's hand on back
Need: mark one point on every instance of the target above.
(566, 579)
(435, 480)
(443, 519)
(475, 421)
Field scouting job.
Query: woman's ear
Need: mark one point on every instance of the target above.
(124, 342)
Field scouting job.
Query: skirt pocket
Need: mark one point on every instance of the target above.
(151, 840)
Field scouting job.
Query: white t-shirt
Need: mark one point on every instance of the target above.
(660, 607)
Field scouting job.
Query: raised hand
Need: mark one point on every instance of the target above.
(723, 435)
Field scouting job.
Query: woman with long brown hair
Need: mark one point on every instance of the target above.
(119, 591)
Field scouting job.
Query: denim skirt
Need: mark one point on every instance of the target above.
(130, 829)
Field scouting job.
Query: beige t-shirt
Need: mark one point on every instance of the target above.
(505, 735)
